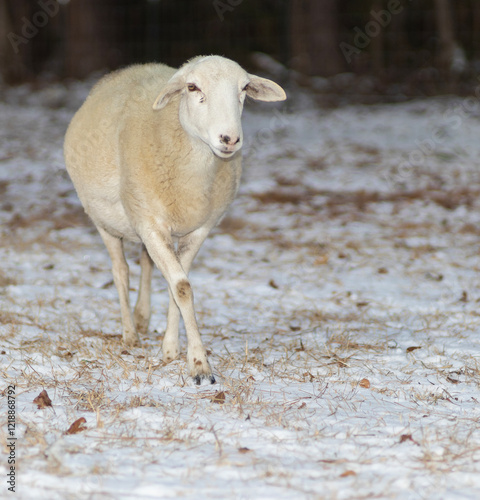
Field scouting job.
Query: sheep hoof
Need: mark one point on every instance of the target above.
(132, 341)
(199, 366)
(198, 379)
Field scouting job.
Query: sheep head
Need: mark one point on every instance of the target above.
(212, 93)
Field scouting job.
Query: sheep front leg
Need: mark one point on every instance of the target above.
(120, 278)
(188, 248)
(159, 245)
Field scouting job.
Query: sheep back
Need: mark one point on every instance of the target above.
(133, 165)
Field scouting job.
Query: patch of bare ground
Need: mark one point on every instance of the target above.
(469, 228)
(244, 230)
(360, 200)
(68, 215)
(3, 186)
(6, 280)
(24, 230)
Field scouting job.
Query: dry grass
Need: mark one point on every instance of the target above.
(327, 383)
(305, 376)
(344, 362)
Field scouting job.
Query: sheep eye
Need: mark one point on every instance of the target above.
(245, 88)
(192, 87)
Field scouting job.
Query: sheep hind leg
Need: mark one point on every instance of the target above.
(170, 341)
(141, 313)
(120, 278)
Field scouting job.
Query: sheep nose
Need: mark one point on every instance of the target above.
(226, 139)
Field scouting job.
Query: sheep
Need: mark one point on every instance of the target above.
(154, 155)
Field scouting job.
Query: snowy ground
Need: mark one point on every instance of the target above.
(339, 300)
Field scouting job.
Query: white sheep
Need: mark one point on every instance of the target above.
(154, 154)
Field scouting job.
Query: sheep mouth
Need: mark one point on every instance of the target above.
(225, 153)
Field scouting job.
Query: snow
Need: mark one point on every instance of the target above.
(339, 300)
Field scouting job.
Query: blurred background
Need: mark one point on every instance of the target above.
(366, 49)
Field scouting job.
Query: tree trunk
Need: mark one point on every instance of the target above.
(5, 29)
(314, 37)
(448, 46)
(397, 43)
(300, 59)
(16, 51)
(476, 30)
(89, 38)
(377, 44)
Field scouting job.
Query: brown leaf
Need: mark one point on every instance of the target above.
(407, 437)
(42, 400)
(244, 450)
(348, 473)
(219, 398)
(77, 426)
(364, 383)
(363, 303)
(273, 284)
(434, 276)
(413, 348)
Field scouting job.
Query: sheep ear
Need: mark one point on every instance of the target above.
(171, 89)
(262, 89)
